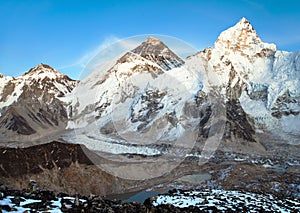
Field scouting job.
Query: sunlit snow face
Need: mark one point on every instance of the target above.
(142, 97)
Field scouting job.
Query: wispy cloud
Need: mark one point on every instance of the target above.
(101, 57)
(87, 57)
(254, 4)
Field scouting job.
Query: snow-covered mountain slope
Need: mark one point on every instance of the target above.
(263, 81)
(31, 104)
(150, 93)
(147, 96)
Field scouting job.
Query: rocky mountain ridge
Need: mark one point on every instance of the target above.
(31, 103)
(255, 79)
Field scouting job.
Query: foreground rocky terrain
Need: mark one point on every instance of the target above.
(65, 168)
(173, 201)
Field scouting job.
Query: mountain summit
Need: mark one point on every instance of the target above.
(156, 51)
(42, 71)
(241, 36)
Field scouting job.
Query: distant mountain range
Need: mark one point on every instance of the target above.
(259, 85)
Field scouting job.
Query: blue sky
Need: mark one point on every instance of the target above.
(66, 34)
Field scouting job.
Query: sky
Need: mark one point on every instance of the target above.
(68, 34)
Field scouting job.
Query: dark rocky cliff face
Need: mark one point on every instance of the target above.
(29, 116)
(238, 123)
(33, 160)
(57, 166)
(15, 122)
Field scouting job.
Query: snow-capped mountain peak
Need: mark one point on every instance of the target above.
(156, 51)
(242, 32)
(239, 53)
(241, 37)
(244, 24)
(153, 40)
(42, 71)
(33, 102)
